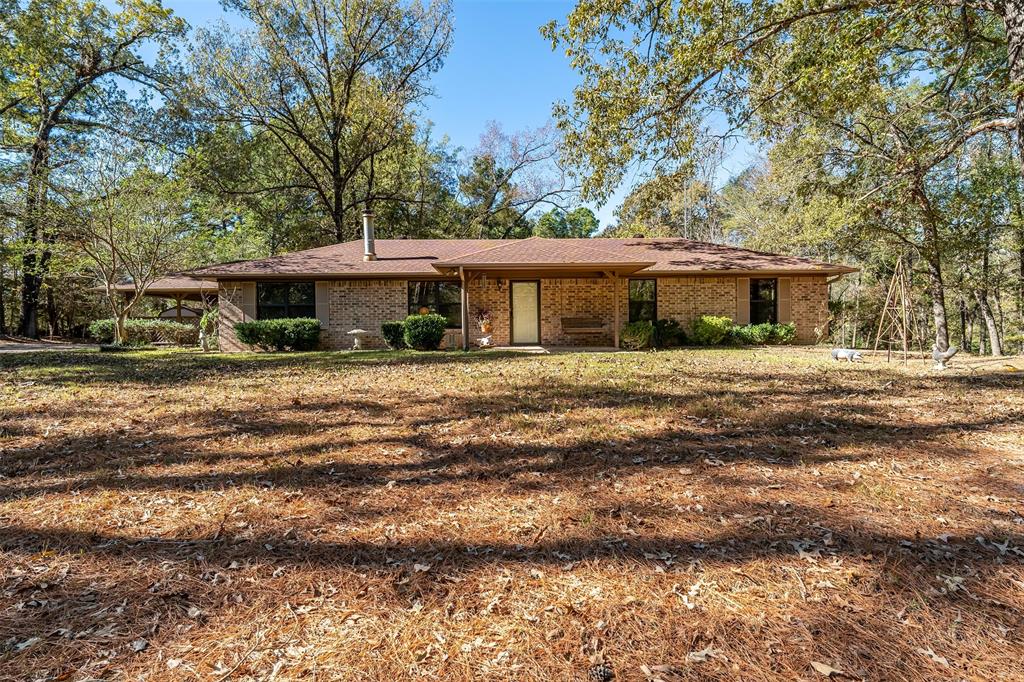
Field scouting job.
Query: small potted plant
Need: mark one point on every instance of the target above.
(483, 318)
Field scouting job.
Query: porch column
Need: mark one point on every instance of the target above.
(615, 308)
(465, 309)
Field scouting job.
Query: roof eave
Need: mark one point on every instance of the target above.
(792, 272)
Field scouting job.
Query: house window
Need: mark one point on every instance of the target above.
(763, 300)
(443, 298)
(643, 300)
(285, 299)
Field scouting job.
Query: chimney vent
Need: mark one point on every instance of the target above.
(369, 249)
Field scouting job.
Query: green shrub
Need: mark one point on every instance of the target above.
(142, 332)
(102, 331)
(763, 334)
(668, 333)
(637, 335)
(295, 333)
(394, 334)
(785, 333)
(710, 330)
(753, 334)
(424, 332)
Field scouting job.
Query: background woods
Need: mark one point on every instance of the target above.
(879, 131)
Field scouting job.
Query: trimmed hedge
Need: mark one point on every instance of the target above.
(144, 332)
(764, 334)
(394, 334)
(424, 332)
(637, 335)
(295, 333)
(710, 330)
(706, 330)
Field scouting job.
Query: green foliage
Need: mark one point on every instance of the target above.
(425, 332)
(579, 223)
(764, 334)
(329, 122)
(394, 334)
(671, 205)
(710, 330)
(668, 333)
(296, 333)
(143, 332)
(208, 322)
(637, 335)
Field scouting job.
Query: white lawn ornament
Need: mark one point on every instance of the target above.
(941, 358)
(484, 341)
(357, 338)
(204, 340)
(847, 354)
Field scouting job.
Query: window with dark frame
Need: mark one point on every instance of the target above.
(276, 300)
(764, 296)
(643, 300)
(443, 298)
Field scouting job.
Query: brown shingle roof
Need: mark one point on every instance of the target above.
(537, 251)
(418, 257)
(394, 257)
(175, 284)
(679, 256)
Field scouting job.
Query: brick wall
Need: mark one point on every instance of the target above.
(810, 308)
(363, 304)
(484, 294)
(229, 306)
(367, 304)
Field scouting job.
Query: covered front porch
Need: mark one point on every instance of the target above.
(538, 298)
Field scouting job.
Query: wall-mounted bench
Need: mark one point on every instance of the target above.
(582, 325)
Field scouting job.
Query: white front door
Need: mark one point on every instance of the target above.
(525, 312)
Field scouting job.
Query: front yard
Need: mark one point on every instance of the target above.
(693, 514)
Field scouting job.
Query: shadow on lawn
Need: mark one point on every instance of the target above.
(164, 368)
(820, 427)
(902, 569)
(769, 419)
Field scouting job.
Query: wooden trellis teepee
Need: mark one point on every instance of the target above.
(899, 326)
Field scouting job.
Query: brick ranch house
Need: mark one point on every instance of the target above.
(539, 291)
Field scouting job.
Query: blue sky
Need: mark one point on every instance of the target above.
(499, 69)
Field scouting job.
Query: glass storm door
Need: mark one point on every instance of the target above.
(525, 312)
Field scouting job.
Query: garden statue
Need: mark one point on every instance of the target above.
(847, 354)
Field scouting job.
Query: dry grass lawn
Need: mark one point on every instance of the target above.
(733, 514)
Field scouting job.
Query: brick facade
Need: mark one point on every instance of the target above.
(363, 304)
(367, 304)
(810, 308)
(229, 307)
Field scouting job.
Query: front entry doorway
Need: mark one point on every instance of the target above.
(525, 312)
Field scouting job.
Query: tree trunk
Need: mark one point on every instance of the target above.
(119, 328)
(53, 320)
(1013, 21)
(37, 254)
(992, 329)
(932, 253)
(1020, 284)
(964, 340)
(3, 300)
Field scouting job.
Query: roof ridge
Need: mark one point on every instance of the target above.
(506, 242)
